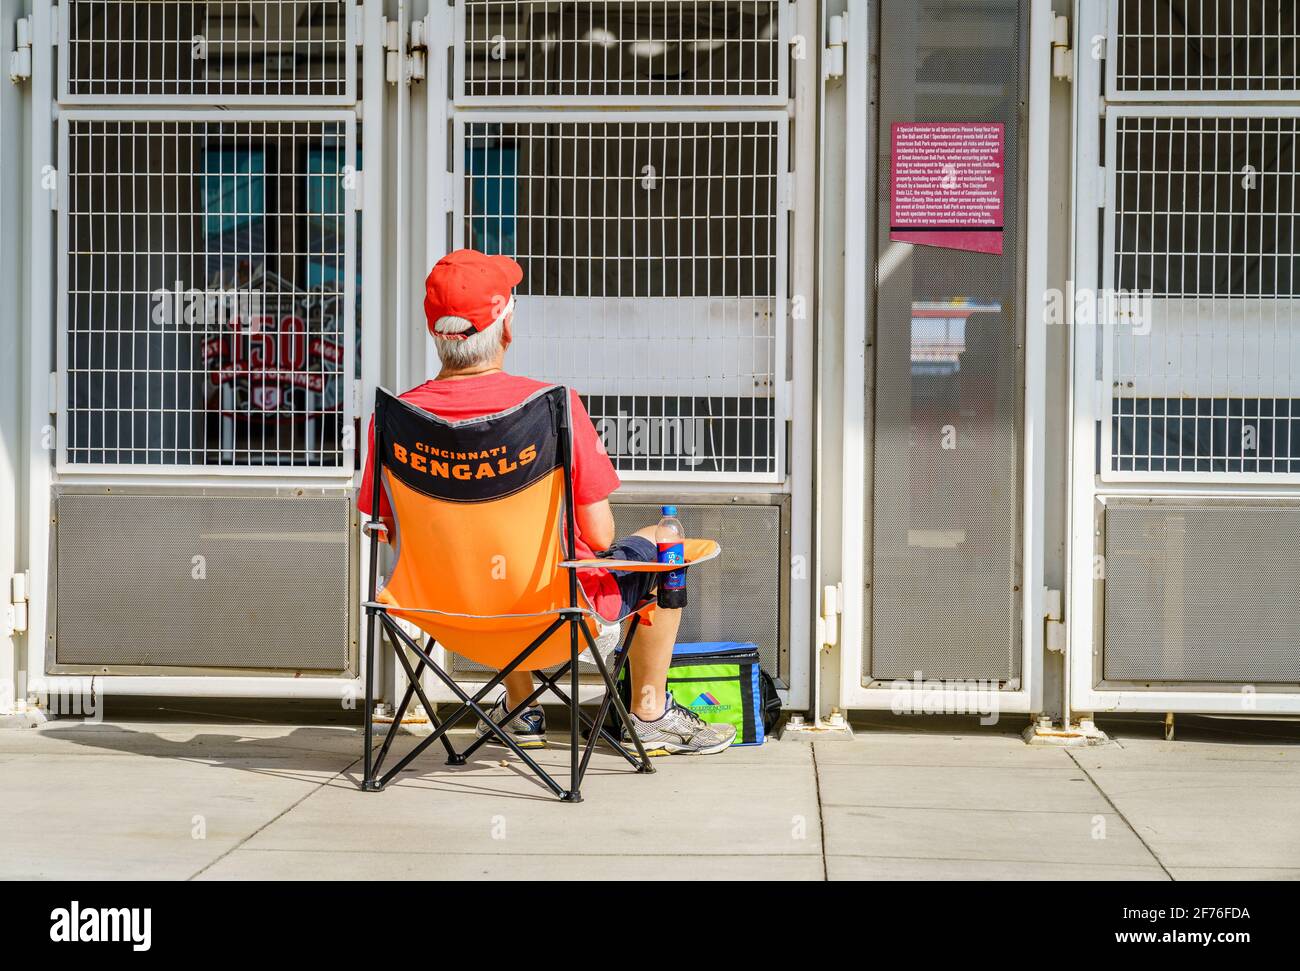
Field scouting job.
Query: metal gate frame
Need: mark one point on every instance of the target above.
(45, 399)
(796, 195)
(780, 386)
(130, 472)
(1089, 397)
(1115, 112)
(785, 31)
(1112, 74)
(1027, 695)
(352, 37)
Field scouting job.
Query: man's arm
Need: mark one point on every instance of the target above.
(596, 524)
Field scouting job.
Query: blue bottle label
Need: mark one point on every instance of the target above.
(673, 553)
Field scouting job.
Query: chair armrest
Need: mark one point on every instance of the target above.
(697, 551)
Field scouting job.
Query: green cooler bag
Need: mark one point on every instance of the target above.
(723, 683)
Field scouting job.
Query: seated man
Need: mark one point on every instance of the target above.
(469, 306)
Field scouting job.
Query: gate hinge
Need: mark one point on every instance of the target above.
(392, 51)
(833, 56)
(358, 186)
(416, 59)
(16, 609)
(1100, 188)
(359, 24)
(20, 58)
(1062, 55)
(1054, 629)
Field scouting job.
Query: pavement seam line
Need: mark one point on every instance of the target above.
(1133, 829)
(287, 809)
(821, 817)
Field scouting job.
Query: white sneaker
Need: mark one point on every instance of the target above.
(679, 731)
(528, 728)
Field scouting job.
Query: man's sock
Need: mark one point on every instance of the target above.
(668, 704)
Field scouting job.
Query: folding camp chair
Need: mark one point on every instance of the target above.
(484, 521)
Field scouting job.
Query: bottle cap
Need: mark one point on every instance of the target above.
(668, 510)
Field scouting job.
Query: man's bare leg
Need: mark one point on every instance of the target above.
(650, 655)
(519, 685)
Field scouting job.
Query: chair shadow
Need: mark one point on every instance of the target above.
(281, 756)
(490, 757)
(300, 755)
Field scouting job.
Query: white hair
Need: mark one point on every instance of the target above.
(475, 349)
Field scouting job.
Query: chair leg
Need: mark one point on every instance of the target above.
(413, 687)
(367, 776)
(575, 775)
(469, 704)
(612, 697)
(592, 725)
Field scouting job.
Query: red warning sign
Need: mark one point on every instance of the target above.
(946, 185)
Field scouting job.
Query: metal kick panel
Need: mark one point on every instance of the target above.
(203, 581)
(1202, 592)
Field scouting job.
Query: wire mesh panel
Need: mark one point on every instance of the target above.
(206, 292)
(1202, 353)
(622, 51)
(1196, 49)
(214, 52)
(942, 567)
(654, 275)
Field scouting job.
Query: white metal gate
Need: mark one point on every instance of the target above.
(1187, 359)
(205, 293)
(634, 158)
(954, 569)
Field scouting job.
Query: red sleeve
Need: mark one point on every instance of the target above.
(594, 477)
(367, 479)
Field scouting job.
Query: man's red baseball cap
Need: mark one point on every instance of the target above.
(472, 285)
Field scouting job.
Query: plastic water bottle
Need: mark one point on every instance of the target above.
(670, 539)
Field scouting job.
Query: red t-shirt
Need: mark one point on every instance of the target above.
(594, 477)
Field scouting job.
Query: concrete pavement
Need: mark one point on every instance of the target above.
(182, 792)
